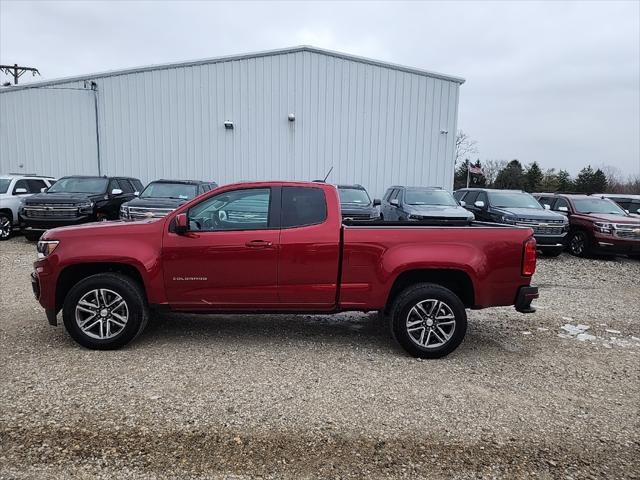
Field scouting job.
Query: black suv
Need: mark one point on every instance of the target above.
(426, 204)
(355, 203)
(74, 200)
(163, 196)
(516, 207)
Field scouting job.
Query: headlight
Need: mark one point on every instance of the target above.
(46, 247)
(85, 207)
(505, 219)
(415, 217)
(604, 227)
(124, 212)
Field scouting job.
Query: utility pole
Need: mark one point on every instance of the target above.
(17, 71)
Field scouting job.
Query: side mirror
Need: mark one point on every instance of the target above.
(116, 191)
(626, 211)
(563, 209)
(638, 210)
(394, 202)
(546, 206)
(376, 202)
(136, 193)
(20, 191)
(43, 189)
(182, 224)
(479, 204)
(462, 203)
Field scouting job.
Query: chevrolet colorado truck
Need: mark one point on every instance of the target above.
(280, 247)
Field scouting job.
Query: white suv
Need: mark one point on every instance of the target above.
(13, 189)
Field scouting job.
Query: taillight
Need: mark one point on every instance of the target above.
(529, 258)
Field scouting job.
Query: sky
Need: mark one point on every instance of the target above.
(552, 82)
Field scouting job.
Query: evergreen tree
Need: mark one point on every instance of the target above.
(533, 178)
(599, 182)
(565, 184)
(511, 176)
(585, 180)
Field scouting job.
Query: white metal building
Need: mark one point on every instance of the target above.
(295, 113)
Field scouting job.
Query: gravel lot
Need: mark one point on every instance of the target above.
(315, 396)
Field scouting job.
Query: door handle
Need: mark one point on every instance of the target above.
(258, 244)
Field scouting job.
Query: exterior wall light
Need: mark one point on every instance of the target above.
(291, 117)
(228, 124)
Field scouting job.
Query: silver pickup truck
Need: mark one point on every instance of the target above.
(13, 189)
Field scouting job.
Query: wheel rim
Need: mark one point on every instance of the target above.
(5, 227)
(430, 323)
(101, 314)
(577, 244)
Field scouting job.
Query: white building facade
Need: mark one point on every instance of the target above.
(288, 114)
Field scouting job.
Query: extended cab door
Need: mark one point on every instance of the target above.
(309, 248)
(229, 257)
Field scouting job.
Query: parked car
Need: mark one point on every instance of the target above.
(74, 200)
(163, 196)
(292, 254)
(420, 204)
(14, 188)
(629, 203)
(516, 207)
(355, 203)
(598, 225)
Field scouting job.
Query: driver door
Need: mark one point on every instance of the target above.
(228, 260)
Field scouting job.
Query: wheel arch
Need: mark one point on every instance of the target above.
(9, 212)
(458, 281)
(72, 274)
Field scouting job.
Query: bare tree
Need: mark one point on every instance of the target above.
(465, 146)
(491, 169)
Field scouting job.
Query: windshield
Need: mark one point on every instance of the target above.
(354, 196)
(513, 200)
(597, 205)
(429, 197)
(182, 191)
(4, 184)
(79, 185)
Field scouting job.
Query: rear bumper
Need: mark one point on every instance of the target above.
(525, 296)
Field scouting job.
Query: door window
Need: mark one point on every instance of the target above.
(545, 201)
(482, 197)
(459, 195)
(126, 186)
(561, 202)
(20, 184)
(236, 210)
(302, 206)
(36, 185)
(470, 197)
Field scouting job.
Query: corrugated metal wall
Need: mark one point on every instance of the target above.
(375, 125)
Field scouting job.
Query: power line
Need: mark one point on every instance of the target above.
(17, 71)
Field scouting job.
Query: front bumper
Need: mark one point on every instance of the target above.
(525, 296)
(38, 224)
(615, 245)
(550, 241)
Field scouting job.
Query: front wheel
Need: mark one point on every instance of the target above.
(6, 227)
(105, 311)
(579, 244)
(428, 321)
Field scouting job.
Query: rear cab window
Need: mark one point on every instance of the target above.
(302, 206)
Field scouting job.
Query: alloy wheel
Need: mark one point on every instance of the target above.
(101, 314)
(430, 323)
(5, 227)
(577, 244)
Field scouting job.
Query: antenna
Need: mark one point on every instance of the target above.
(328, 173)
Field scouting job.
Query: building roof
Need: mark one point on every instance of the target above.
(230, 58)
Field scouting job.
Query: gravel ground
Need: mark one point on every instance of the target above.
(315, 396)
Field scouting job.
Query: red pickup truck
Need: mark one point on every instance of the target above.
(275, 247)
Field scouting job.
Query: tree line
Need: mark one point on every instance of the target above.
(531, 178)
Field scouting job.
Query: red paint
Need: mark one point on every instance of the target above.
(293, 269)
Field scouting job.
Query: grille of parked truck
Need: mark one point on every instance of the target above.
(281, 247)
(162, 197)
(14, 188)
(516, 207)
(75, 200)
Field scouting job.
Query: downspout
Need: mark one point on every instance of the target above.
(94, 87)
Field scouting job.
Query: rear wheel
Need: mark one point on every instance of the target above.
(579, 244)
(6, 226)
(428, 321)
(105, 311)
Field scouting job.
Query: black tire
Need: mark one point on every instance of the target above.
(551, 252)
(579, 244)
(402, 314)
(6, 226)
(32, 236)
(135, 302)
